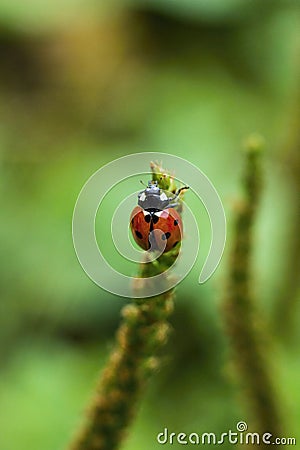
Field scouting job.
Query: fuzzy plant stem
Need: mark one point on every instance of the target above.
(242, 319)
(143, 332)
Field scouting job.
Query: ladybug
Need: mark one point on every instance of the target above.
(155, 211)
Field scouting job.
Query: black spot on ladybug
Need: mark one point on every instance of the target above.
(166, 236)
(155, 218)
(147, 218)
(132, 220)
(174, 245)
(139, 235)
(175, 222)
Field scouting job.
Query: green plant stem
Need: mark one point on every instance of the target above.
(243, 321)
(143, 332)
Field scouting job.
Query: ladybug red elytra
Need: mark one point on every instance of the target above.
(155, 211)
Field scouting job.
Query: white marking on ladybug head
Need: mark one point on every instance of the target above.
(163, 197)
(142, 197)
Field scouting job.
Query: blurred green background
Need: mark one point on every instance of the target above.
(85, 82)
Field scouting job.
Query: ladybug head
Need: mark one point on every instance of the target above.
(152, 188)
(153, 198)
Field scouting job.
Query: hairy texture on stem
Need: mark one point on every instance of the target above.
(242, 319)
(142, 334)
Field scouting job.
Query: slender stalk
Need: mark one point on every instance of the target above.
(143, 332)
(242, 318)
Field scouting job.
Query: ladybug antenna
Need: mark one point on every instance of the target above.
(141, 181)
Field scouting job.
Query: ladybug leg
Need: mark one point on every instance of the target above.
(184, 188)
